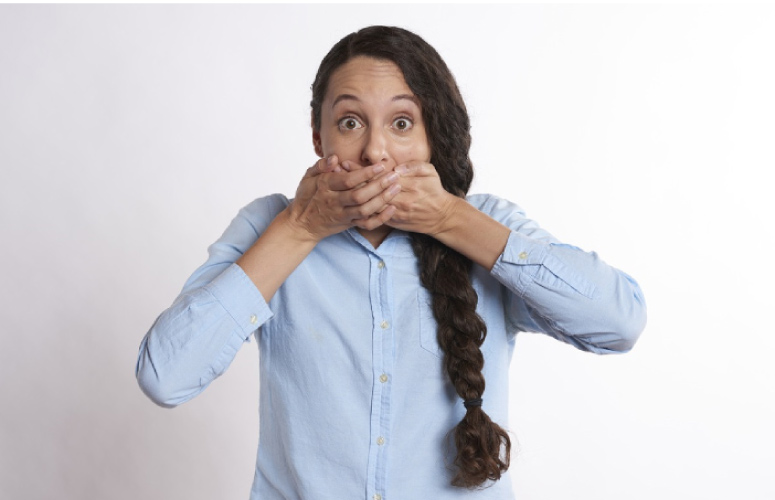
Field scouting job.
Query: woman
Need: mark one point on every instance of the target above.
(382, 297)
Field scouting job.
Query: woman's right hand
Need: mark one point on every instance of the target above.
(330, 199)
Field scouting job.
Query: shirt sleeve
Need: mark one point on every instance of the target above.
(563, 291)
(195, 340)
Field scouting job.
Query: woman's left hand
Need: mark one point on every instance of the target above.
(423, 205)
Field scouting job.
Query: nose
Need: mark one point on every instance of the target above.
(375, 149)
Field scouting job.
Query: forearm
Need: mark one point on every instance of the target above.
(275, 255)
(473, 234)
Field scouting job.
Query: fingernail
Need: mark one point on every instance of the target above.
(378, 168)
(401, 169)
(392, 177)
(330, 160)
(394, 189)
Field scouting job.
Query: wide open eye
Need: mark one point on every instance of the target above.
(402, 123)
(350, 123)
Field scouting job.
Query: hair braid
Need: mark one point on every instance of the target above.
(461, 331)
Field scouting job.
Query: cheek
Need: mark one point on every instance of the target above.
(346, 148)
(422, 146)
(411, 151)
(422, 150)
(427, 152)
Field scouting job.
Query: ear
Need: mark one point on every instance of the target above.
(316, 142)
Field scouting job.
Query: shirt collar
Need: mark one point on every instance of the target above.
(396, 242)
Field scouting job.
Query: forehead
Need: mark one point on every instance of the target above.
(367, 77)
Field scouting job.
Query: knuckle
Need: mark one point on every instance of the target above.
(351, 181)
(360, 197)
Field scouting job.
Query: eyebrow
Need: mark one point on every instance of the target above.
(350, 97)
(410, 97)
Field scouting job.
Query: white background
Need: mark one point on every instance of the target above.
(131, 135)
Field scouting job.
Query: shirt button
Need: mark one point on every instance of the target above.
(522, 255)
(380, 440)
(381, 264)
(377, 496)
(383, 378)
(253, 319)
(384, 325)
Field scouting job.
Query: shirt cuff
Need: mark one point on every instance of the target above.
(520, 262)
(525, 261)
(241, 299)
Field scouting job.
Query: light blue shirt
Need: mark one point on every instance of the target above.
(354, 401)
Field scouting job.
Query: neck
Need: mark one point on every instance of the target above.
(376, 236)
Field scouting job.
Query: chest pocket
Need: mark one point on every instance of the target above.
(428, 326)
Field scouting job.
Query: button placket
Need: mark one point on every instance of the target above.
(382, 354)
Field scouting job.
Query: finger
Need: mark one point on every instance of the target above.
(348, 166)
(369, 191)
(377, 219)
(324, 165)
(331, 163)
(349, 180)
(375, 205)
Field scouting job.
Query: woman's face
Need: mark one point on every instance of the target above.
(369, 115)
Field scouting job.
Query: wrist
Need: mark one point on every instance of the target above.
(451, 216)
(473, 233)
(293, 228)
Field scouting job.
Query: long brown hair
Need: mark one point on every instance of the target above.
(444, 272)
